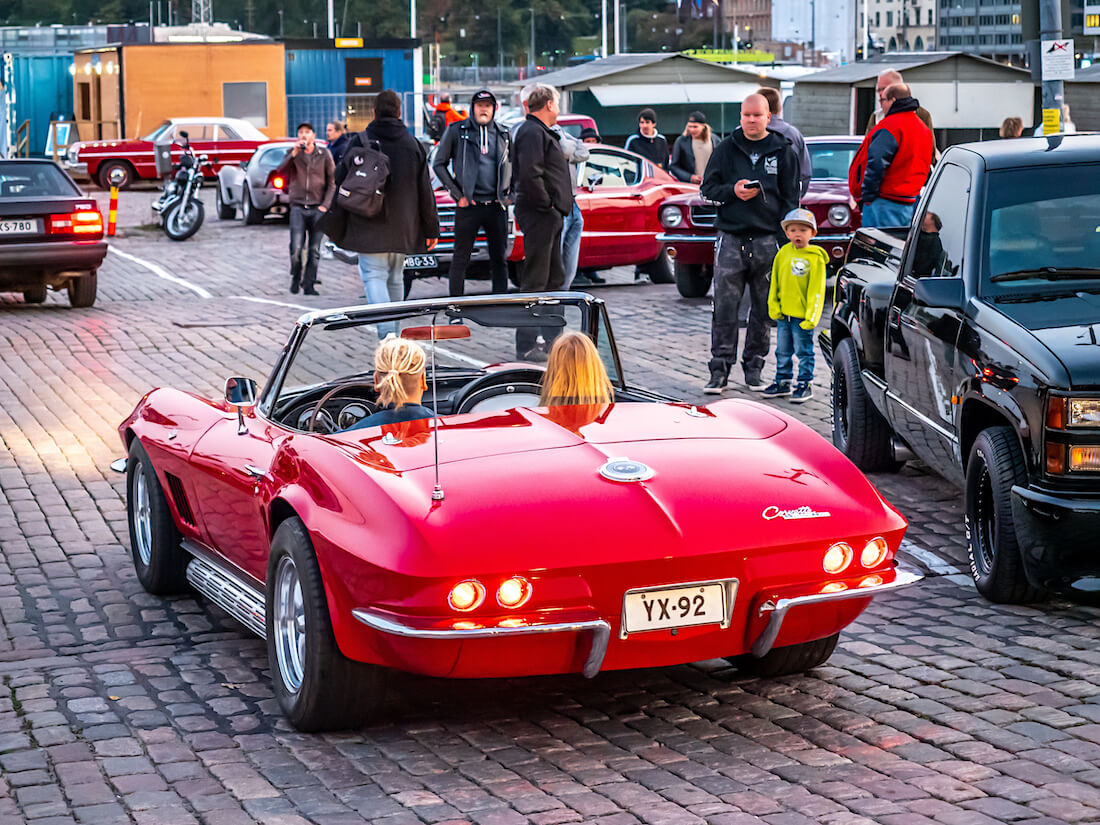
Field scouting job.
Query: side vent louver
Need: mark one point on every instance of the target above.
(179, 498)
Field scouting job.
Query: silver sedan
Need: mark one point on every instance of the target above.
(251, 186)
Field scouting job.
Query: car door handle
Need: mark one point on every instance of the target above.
(895, 317)
(636, 196)
(254, 471)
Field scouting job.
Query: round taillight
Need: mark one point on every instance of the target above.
(513, 592)
(838, 557)
(874, 552)
(278, 182)
(467, 595)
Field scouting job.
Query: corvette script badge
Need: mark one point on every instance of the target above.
(805, 511)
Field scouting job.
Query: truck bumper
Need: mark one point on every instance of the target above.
(1057, 535)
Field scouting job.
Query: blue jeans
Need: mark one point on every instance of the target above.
(571, 244)
(883, 212)
(791, 339)
(383, 280)
(305, 243)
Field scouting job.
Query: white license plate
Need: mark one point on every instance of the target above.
(667, 607)
(18, 227)
(421, 262)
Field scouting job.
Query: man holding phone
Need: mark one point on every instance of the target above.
(312, 184)
(753, 177)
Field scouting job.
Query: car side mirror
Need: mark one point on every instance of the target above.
(241, 393)
(940, 293)
(594, 180)
(183, 134)
(244, 165)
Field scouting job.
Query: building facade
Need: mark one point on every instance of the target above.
(752, 19)
(902, 25)
(831, 25)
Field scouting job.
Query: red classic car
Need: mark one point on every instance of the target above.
(225, 140)
(498, 538)
(688, 221)
(619, 194)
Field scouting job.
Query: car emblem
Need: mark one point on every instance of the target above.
(625, 470)
(805, 511)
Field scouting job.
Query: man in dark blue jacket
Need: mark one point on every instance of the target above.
(474, 162)
(753, 176)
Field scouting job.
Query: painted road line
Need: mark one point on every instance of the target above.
(160, 272)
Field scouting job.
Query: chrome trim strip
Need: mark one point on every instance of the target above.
(870, 378)
(239, 600)
(906, 576)
(601, 633)
(954, 439)
(664, 238)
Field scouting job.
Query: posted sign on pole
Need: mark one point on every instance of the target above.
(1057, 59)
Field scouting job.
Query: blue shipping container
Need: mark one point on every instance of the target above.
(43, 92)
(316, 81)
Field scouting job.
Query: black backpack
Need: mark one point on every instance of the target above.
(437, 125)
(362, 190)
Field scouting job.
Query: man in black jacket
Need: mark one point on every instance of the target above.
(479, 151)
(408, 222)
(544, 196)
(753, 175)
(647, 141)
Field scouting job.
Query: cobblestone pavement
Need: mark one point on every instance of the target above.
(116, 706)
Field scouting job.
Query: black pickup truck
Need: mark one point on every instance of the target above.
(972, 340)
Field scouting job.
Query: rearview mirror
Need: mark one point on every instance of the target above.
(241, 393)
(447, 332)
(940, 293)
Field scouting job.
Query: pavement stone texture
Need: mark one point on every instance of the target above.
(120, 707)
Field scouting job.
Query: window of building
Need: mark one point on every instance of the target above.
(889, 19)
(878, 18)
(248, 101)
(929, 17)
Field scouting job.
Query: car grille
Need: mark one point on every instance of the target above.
(704, 215)
(446, 222)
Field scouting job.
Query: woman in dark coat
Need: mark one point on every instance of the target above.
(692, 149)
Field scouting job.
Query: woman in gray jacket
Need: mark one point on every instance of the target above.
(692, 150)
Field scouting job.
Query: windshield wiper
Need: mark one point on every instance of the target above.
(1056, 295)
(1046, 273)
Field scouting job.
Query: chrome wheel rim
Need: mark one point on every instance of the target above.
(143, 522)
(246, 203)
(290, 625)
(183, 219)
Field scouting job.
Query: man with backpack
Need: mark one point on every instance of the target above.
(384, 207)
(444, 115)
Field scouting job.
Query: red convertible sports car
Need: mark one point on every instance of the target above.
(498, 538)
(688, 221)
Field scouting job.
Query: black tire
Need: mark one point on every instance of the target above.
(335, 692)
(859, 430)
(784, 661)
(172, 228)
(996, 464)
(105, 169)
(34, 295)
(659, 269)
(252, 216)
(82, 290)
(159, 560)
(693, 280)
(225, 212)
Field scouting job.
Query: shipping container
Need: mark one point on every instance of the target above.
(43, 92)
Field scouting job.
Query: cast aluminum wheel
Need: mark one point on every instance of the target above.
(143, 525)
(290, 625)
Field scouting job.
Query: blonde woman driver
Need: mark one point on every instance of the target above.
(400, 381)
(574, 373)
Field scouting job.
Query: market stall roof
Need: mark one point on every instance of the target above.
(677, 67)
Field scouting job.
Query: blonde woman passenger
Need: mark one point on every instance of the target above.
(575, 374)
(399, 378)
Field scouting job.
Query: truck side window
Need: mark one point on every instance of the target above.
(941, 240)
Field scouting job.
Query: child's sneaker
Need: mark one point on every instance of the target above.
(803, 392)
(777, 389)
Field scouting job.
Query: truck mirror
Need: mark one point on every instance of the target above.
(940, 293)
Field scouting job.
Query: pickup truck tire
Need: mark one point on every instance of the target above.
(996, 464)
(693, 280)
(859, 430)
(784, 661)
(82, 290)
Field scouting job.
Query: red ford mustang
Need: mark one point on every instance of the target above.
(688, 221)
(508, 539)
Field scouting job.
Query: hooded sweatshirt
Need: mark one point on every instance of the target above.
(798, 284)
(770, 160)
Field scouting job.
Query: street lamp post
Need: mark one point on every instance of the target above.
(531, 57)
(418, 73)
(331, 21)
(617, 27)
(603, 28)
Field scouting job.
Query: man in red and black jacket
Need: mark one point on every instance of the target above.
(893, 161)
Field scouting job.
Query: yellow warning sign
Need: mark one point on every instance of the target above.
(349, 42)
(1052, 121)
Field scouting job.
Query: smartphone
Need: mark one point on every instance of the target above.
(752, 184)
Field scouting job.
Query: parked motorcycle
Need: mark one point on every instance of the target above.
(179, 206)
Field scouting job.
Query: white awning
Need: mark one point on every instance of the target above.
(640, 94)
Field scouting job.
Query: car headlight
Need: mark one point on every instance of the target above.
(1084, 412)
(671, 216)
(839, 215)
(1061, 454)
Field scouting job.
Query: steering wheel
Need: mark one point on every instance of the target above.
(514, 383)
(328, 395)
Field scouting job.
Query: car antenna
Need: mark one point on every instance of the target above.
(437, 493)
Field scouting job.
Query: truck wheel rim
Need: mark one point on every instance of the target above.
(984, 521)
(290, 625)
(143, 524)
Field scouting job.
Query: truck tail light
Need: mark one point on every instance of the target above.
(85, 222)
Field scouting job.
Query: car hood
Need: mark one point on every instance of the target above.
(1067, 327)
(826, 190)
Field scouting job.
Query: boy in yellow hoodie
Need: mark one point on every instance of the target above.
(795, 301)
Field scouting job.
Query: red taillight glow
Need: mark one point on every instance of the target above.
(76, 223)
(278, 182)
(513, 592)
(874, 552)
(466, 596)
(838, 557)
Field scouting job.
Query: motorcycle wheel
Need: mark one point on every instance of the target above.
(184, 221)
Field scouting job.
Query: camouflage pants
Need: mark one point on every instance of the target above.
(739, 263)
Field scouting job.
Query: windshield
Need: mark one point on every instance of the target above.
(831, 160)
(342, 351)
(23, 179)
(1044, 230)
(153, 135)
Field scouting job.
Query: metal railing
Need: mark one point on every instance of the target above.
(22, 148)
